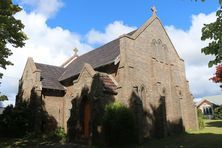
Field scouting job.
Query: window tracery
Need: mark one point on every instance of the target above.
(160, 51)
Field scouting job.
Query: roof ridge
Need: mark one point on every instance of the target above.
(88, 58)
(49, 65)
(99, 47)
(130, 33)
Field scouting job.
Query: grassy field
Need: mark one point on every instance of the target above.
(209, 137)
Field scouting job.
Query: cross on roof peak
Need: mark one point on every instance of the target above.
(153, 9)
(75, 50)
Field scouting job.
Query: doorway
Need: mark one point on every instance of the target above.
(87, 108)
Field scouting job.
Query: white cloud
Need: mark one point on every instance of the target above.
(47, 8)
(48, 45)
(112, 31)
(188, 45)
(45, 44)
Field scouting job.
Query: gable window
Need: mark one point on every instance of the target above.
(154, 46)
(160, 51)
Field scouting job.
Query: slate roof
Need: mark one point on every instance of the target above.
(103, 55)
(217, 100)
(50, 75)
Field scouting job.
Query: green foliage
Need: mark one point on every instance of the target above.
(58, 135)
(220, 1)
(200, 119)
(14, 122)
(3, 98)
(218, 113)
(10, 31)
(119, 125)
(213, 32)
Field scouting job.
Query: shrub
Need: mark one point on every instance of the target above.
(200, 119)
(14, 122)
(58, 135)
(118, 124)
(218, 112)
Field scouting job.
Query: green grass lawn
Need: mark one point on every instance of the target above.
(209, 137)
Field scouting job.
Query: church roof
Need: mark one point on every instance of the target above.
(50, 75)
(101, 56)
(98, 57)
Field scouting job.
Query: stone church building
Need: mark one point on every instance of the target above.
(141, 69)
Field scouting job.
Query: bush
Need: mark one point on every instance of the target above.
(119, 125)
(58, 135)
(14, 122)
(218, 113)
(200, 119)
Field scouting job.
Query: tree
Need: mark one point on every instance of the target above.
(213, 32)
(3, 98)
(10, 31)
(119, 125)
(218, 112)
(200, 119)
(218, 75)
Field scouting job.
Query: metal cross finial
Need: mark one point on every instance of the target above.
(153, 9)
(75, 51)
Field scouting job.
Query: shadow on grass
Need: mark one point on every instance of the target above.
(214, 123)
(18, 142)
(34, 143)
(187, 140)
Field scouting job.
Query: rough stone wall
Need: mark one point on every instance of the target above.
(29, 92)
(151, 63)
(87, 86)
(29, 82)
(54, 106)
(149, 69)
(74, 91)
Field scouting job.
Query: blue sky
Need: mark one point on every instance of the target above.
(55, 27)
(82, 15)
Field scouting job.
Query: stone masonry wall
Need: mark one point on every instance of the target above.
(150, 62)
(54, 106)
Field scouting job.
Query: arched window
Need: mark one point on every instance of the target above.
(165, 50)
(154, 48)
(143, 95)
(159, 50)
